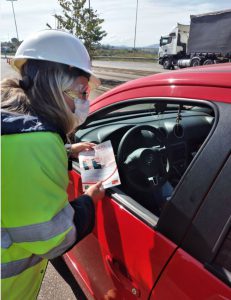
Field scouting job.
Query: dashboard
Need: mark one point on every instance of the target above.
(180, 138)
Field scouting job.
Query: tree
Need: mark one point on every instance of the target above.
(83, 22)
(15, 44)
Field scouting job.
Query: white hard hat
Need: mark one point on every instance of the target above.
(56, 46)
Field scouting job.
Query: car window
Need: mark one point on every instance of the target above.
(152, 107)
(154, 142)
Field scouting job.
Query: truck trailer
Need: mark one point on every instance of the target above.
(207, 40)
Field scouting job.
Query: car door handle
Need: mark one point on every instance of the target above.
(119, 272)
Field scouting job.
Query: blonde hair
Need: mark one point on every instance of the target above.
(42, 95)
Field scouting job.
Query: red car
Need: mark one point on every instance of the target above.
(164, 233)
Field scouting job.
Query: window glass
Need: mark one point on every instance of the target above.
(165, 41)
(153, 141)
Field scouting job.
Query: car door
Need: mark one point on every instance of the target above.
(124, 254)
(130, 248)
(201, 268)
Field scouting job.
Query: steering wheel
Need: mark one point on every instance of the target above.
(144, 169)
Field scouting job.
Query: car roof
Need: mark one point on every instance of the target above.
(217, 75)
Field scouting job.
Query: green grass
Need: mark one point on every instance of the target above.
(125, 54)
(117, 54)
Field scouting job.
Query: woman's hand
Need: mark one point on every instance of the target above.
(78, 147)
(96, 192)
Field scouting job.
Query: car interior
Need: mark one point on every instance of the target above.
(154, 142)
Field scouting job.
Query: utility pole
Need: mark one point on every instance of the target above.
(89, 2)
(136, 24)
(12, 1)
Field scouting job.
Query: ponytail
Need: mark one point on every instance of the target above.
(13, 97)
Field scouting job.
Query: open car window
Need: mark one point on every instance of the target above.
(154, 141)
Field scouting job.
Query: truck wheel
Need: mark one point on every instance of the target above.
(166, 64)
(208, 62)
(195, 61)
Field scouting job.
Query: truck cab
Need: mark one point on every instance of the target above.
(173, 46)
(205, 41)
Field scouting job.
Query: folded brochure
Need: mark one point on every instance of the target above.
(99, 164)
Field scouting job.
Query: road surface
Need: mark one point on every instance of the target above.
(129, 65)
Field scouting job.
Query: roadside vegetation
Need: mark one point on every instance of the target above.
(81, 20)
(117, 53)
(103, 53)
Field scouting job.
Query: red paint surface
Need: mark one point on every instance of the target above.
(139, 253)
(124, 253)
(187, 279)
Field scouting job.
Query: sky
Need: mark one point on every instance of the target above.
(154, 18)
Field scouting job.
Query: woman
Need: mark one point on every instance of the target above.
(39, 111)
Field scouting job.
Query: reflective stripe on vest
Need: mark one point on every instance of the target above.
(70, 238)
(39, 232)
(14, 268)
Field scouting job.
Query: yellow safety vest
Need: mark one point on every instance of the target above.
(37, 220)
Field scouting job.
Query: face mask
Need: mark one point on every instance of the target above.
(81, 110)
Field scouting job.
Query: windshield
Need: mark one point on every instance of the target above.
(165, 40)
(155, 108)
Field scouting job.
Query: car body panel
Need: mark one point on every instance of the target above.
(184, 92)
(186, 278)
(130, 256)
(166, 85)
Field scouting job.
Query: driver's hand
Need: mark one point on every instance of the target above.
(78, 147)
(96, 192)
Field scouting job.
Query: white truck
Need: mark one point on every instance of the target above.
(206, 41)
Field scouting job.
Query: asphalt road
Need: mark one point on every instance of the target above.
(129, 65)
(53, 286)
(117, 71)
